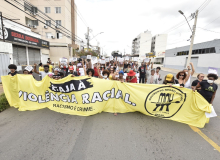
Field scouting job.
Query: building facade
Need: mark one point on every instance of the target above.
(204, 55)
(158, 47)
(142, 44)
(54, 21)
(23, 46)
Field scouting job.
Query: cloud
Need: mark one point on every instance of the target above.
(122, 20)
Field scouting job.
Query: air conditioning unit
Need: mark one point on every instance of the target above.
(34, 26)
(57, 26)
(34, 14)
(29, 25)
(53, 37)
(45, 27)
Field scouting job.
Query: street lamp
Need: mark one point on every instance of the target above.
(96, 35)
(186, 19)
(193, 35)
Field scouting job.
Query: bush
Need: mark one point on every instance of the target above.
(3, 102)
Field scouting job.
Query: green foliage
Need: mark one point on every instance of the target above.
(3, 102)
(83, 53)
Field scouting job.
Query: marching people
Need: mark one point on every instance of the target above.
(50, 66)
(121, 76)
(170, 80)
(157, 73)
(142, 73)
(25, 72)
(56, 74)
(105, 74)
(42, 73)
(89, 72)
(147, 70)
(200, 78)
(183, 77)
(153, 77)
(112, 74)
(208, 88)
(13, 69)
(131, 77)
(188, 83)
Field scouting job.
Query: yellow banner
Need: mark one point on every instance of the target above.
(86, 96)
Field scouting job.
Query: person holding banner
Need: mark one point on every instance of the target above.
(131, 78)
(13, 69)
(169, 80)
(121, 77)
(56, 74)
(112, 74)
(208, 88)
(200, 78)
(25, 72)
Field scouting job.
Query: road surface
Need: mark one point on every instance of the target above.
(48, 135)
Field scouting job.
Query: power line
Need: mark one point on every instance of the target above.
(208, 30)
(45, 15)
(212, 21)
(205, 5)
(36, 18)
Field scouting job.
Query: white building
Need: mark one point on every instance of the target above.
(204, 56)
(142, 44)
(158, 47)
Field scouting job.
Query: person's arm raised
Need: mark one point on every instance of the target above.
(98, 66)
(35, 69)
(188, 75)
(84, 68)
(193, 69)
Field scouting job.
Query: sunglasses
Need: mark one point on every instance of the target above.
(182, 75)
(202, 76)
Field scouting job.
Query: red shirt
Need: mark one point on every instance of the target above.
(71, 68)
(134, 80)
(96, 72)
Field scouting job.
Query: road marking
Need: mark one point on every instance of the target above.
(197, 130)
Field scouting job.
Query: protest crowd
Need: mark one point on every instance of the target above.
(123, 70)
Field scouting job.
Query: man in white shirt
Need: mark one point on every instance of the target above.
(43, 73)
(188, 83)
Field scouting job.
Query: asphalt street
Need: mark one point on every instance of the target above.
(48, 135)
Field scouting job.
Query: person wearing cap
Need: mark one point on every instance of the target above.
(121, 77)
(13, 69)
(42, 73)
(170, 80)
(131, 78)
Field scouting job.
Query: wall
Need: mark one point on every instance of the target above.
(145, 43)
(58, 52)
(4, 62)
(204, 62)
(160, 44)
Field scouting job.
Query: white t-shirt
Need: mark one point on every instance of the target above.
(43, 73)
(153, 79)
(188, 83)
(81, 71)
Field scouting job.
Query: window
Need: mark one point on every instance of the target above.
(57, 9)
(31, 22)
(47, 9)
(34, 10)
(48, 35)
(59, 35)
(212, 50)
(48, 22)
(27, 7)
(58, 22)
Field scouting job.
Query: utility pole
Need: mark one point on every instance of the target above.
(87, 38)
(192, 40)
(3, 34)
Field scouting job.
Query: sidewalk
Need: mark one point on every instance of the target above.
(194, 75)
(1, 89)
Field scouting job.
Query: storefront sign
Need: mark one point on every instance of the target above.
(15, 36)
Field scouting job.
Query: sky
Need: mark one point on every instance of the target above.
(122, 20)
